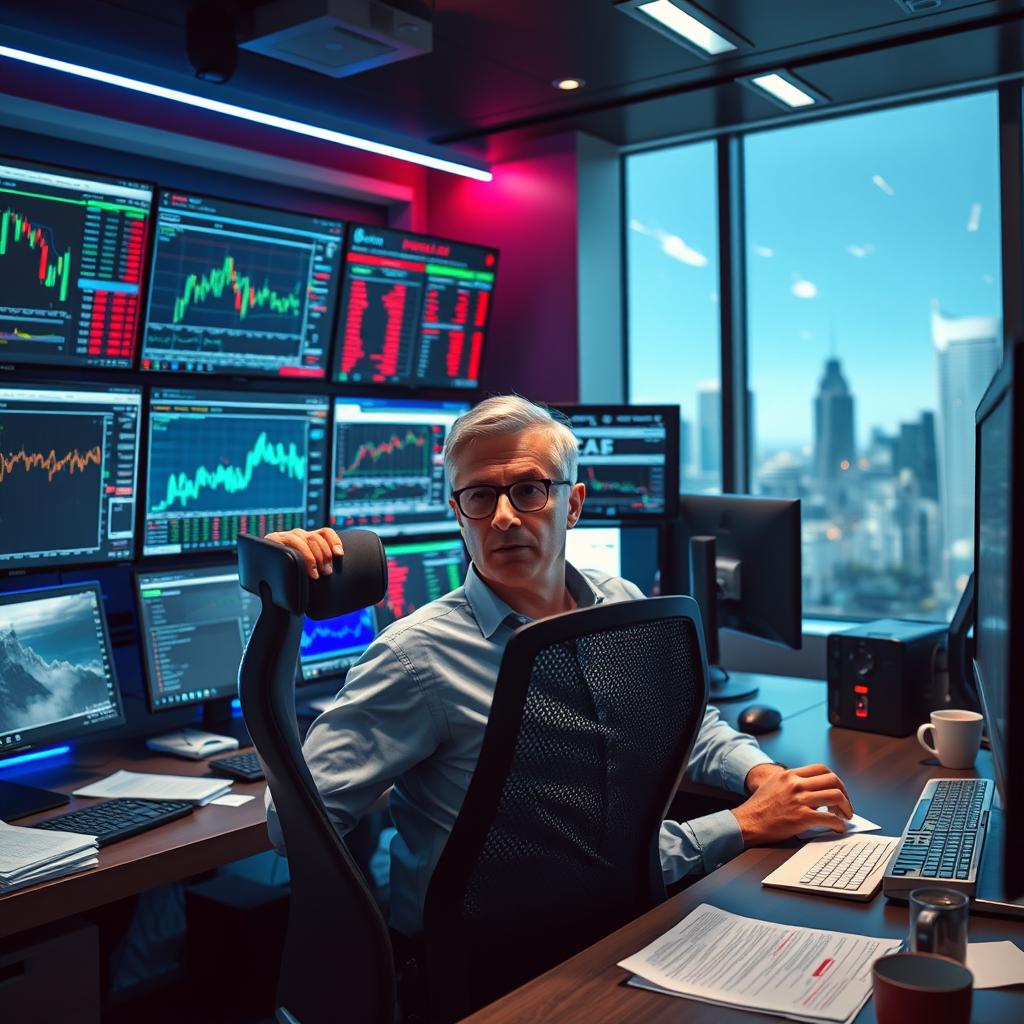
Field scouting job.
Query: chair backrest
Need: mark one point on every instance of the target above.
(556, 845)
(337, 962)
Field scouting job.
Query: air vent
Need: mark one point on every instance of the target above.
(337, 37)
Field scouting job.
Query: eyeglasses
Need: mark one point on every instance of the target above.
(480, 501)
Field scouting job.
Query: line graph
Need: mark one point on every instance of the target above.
(341, 634)
(385, 450)
(50, 461)
(227, 464)
(244, 295)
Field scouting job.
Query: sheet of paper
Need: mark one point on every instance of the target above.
(853, 826)
(804, 973)
(995, 964)
(22, 849)
(151, 786)
(232, 800)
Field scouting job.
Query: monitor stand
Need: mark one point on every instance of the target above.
(18, 801)
(722, 688)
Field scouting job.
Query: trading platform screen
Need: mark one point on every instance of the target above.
(223, 463)
(387, 469)
(629, 459)
(58, 674)
(195, 623)
(72, 248)
(414, 310)
(418, 573)
(68, 465)
(329, 646)
(240, 289)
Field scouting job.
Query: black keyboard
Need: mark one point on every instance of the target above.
(117, 819)
(240, 766)
(944, 837)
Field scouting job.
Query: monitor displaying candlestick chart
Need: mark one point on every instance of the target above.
(387, 466)
(418, 573)
(629, 459)
(68, 466)
(414, 310)
(72, 254)
(240, 289)
(329, 646)
(222, 463)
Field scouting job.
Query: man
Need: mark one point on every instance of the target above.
(412, 712)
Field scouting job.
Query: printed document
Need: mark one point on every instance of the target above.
(802, 973)
(151, 786)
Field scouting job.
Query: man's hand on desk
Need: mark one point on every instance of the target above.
(784, 801)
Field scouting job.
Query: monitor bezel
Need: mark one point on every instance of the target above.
(57, 733)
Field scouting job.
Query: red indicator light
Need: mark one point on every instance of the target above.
(860, 689)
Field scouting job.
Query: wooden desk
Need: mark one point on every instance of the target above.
(884, 777)
(206, 838)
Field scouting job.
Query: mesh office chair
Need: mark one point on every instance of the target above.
(337, 962)
(593, 719)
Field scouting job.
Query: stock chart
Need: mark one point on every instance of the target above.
(240, 288)
(331, 645)
(628, 459)
(71, 266)
(387, 464)
(222, 463)
(68, 462)
(414, 310)
(419, 573)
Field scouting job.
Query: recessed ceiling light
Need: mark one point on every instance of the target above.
(784, 88)
(568, 84)
(685, 23)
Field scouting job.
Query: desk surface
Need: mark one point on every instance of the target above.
(206, 838)
(884, 777)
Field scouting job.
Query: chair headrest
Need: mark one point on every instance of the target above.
(359, 579)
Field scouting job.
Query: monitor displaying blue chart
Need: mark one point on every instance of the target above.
(330, 646)
(222, 463)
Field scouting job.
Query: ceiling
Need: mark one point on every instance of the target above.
(489, 77)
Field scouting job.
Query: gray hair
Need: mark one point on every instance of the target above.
(511, 414)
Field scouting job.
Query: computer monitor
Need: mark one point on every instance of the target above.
(72, 251)
(243, 289)
(631, 552)
(329, 647)
(68, 467)
(195, 622)
(629, 459)
(414, 310)
(387, 465)
(999, 578)
(420, 572)
(742, 559)
(57, 679)
(222, 463)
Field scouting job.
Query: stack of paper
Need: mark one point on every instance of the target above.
(802, 973)
(150, 786)
(30, 855)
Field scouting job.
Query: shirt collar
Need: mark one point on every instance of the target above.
(490, 611)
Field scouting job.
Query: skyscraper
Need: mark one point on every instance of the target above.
(834, 440)
(709, 421)
(968, 350)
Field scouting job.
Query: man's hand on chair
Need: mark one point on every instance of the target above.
(316, 547)
(785, 801)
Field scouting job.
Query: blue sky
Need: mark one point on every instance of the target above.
(854, 225)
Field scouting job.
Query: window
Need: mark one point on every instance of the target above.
(672, 294)
(873, 277)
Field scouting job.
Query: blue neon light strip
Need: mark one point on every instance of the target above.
(35, 755)
(246, 114)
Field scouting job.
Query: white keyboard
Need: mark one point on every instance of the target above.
(851, 867)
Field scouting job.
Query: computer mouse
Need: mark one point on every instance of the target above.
(759, 718)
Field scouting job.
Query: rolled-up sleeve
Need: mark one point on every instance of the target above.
(384, 720)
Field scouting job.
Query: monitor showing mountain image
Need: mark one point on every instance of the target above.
(56, 671)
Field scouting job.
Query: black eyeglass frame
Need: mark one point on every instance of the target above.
(507, 490)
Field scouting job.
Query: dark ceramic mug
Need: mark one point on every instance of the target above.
(924, 986)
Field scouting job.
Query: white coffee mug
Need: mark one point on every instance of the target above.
(957, 737)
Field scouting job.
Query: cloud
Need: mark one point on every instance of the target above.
(802, 288)
(671, 245)
(860, 251)
(635, 225)
(974, 218)
(883, 185)
(763, 250)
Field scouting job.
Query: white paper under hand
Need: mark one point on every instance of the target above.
(853, 826)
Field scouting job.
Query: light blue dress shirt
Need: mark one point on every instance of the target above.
(411, 715)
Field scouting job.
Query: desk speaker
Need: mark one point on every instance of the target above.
(884, 676)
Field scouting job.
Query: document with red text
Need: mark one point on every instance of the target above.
(802, 973)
